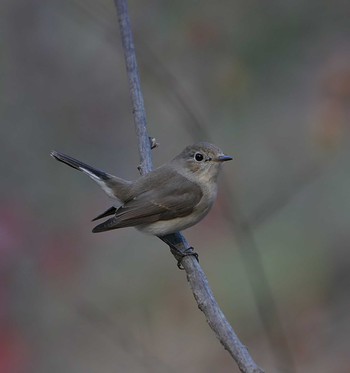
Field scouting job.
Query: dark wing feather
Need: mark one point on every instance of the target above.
(111, 211)
(179, 199)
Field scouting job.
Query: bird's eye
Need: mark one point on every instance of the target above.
(198, 157)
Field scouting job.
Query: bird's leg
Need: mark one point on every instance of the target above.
(179, 254)
(187, 252)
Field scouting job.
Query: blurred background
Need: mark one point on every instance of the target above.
(268, 82)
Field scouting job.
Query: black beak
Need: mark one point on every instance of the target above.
(224, 158)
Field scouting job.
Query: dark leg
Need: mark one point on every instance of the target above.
(170, 240)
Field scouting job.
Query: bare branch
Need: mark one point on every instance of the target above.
(195, 275)
(215, 318)
(138, 107)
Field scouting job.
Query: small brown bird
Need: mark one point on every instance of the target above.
(169, 199)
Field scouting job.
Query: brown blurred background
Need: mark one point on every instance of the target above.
(269, 82)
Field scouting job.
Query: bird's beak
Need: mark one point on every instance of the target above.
(224, 158)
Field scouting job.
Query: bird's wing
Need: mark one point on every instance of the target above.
(111, 211)
(177, 199)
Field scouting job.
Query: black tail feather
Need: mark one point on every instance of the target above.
(78, 165)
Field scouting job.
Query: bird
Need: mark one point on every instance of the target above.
(170, 198)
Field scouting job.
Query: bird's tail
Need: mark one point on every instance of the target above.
(72, 162)
(112, 185)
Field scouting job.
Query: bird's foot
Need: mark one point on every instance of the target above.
(178, 254)
(181, 254)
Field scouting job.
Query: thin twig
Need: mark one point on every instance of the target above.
(138, 107)
(195, 275)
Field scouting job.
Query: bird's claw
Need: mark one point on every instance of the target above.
(189, 251)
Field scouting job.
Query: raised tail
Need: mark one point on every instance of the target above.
(112, 185)
(72, 162)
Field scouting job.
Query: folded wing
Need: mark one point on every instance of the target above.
(178, 199)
